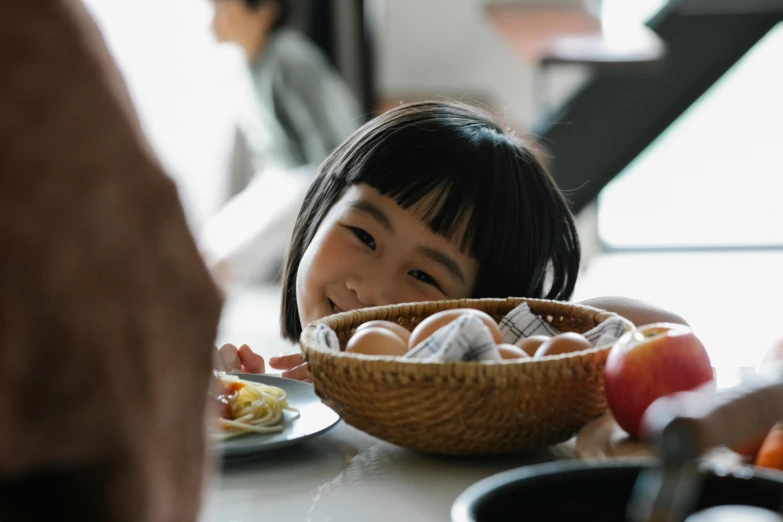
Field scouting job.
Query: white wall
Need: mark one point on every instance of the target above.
(449, 47)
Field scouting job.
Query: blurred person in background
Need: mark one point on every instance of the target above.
(303, 108)
(294, 108)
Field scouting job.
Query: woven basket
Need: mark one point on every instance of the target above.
(462, 407)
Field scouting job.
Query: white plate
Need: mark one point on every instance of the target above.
(314, 419)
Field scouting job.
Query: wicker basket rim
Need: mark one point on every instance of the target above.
(400, 367)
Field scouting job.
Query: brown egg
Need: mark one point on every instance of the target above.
(400, 330)
(531, 344)
(509, 351)
(438, 320)
(566, 342)
(376, 341)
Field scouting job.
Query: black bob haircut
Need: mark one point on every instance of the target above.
(283, 10)
(492, 197)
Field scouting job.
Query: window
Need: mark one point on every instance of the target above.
(714, 178)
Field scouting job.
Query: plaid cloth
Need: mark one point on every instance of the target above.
(521, 323)
(325, 336)
(465, 339)
(469, 339)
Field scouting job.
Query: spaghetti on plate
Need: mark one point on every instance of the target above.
(249, 407)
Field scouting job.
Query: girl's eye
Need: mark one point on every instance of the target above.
(364, 237)
(424, 278)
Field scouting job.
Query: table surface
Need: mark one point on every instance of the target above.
(346, 475)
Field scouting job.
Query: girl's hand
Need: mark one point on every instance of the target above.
(294, 365)
(229, 358)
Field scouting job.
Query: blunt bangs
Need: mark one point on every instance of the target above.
(441, 162)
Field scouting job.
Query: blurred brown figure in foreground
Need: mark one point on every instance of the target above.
(103, 291)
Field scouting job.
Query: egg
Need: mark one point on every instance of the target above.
(376, 341)
(398, 329)
(566, 342)
(531, 344)
(509, 351)
(436, 321)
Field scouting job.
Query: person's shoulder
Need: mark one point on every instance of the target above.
(292, 37)
(291, 48)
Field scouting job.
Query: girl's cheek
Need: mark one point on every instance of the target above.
(333, 252)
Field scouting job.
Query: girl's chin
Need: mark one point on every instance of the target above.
(311, 317)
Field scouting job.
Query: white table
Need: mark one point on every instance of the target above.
(731, 300)
(348, 476)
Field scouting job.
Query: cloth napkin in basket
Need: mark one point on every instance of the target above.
(469, 339)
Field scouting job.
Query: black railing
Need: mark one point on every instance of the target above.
(614, 116)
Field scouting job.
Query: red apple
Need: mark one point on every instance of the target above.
(649, 362)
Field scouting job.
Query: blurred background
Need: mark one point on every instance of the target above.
(660, 119)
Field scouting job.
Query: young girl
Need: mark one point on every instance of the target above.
(428, 201)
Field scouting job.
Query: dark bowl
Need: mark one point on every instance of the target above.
(573, 490)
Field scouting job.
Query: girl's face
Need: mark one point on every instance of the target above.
(369, 251)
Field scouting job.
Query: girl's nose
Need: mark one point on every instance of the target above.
(371, 288)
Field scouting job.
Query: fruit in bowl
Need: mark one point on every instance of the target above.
(649, 362)
(436, 321)
(565, 342)
(376, 341)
